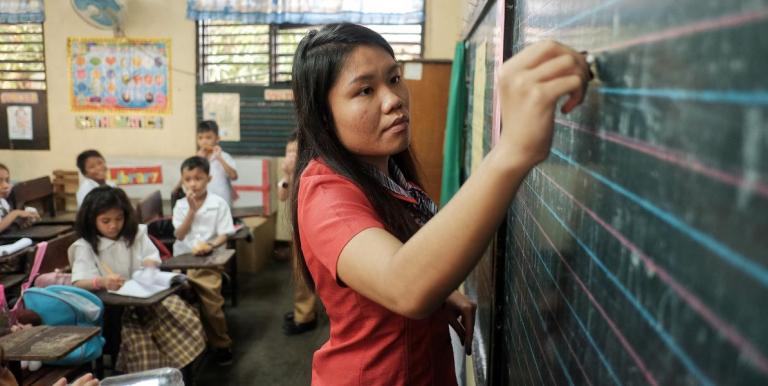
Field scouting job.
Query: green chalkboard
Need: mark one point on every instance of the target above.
(638, 252)
(264, 125)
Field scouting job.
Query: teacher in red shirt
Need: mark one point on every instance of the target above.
(384, 263)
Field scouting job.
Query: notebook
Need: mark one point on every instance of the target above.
(149, 281)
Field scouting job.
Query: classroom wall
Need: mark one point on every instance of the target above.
(144, 18)
(442, 27)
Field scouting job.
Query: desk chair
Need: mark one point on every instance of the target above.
(38, 193)
(150, 208)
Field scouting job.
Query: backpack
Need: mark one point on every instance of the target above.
(61, 305)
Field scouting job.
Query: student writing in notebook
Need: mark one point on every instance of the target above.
(112, 246)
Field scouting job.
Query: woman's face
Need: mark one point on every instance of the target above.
(110, 223)
(369, 104)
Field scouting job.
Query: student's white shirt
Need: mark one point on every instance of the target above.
(122, 259)
(220, 183)
(211, 220)
(5, 208)
(86, 186)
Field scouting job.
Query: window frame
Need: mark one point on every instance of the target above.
(273, 33)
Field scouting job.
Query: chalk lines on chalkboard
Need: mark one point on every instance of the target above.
(744, 346)
(538, 342)
(536, 366)
(582, 15)
(542, 322)
(611, 323)
(568, 304)
(686, 161)
(743, 263)
(727, 21)
(749, 98)
(652, 322)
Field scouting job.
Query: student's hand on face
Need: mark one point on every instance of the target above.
(530, 84)
(461, 316)
(216, 152)
(289, 164)
(113, 282)
(194, 202)
(204, 151)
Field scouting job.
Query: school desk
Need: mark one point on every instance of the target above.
(249, 211)
(35, 232)
(45, 343)
(217, 259)
(64, 218)
(111, 299)
(10, 280)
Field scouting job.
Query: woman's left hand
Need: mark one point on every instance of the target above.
(461, 316)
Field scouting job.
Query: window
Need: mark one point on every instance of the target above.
(230, 52)
(22, 57)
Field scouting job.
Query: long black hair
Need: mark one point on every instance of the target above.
(317, 63)
(98, 201)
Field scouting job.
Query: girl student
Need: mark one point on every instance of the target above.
(112, 246)
(385, 265)
(10, 216)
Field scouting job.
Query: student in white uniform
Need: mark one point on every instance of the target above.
(7, 215)
(203, 222)
(223, 169)
(112, 246)
(94, 169)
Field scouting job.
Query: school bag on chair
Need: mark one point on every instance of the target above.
(62, 305)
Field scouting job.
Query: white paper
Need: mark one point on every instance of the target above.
(224, 108)
(19, 122)
(146, 282)
(412, 70)
(15, 247)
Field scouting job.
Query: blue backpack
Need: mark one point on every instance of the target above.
(62, 305)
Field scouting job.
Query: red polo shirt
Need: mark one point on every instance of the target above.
(368, 344)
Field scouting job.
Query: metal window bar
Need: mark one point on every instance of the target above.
(22, 57)
(231, 52)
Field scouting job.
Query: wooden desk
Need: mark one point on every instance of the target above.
(189, 261)
(45, 343)
(244, 233)
(64, 218)
(249, 211)
(35, 232)
(111, 299)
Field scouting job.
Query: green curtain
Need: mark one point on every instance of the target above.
(454, 123)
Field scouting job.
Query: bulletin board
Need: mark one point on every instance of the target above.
(120, 75)
(24, 120)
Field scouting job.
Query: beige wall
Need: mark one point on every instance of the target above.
(145, 18)
(442, 27)
(163, 19)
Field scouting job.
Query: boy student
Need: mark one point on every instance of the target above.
(203, 221)
(303, 318)
(7, 215)
(94, 169)
(223, 167)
